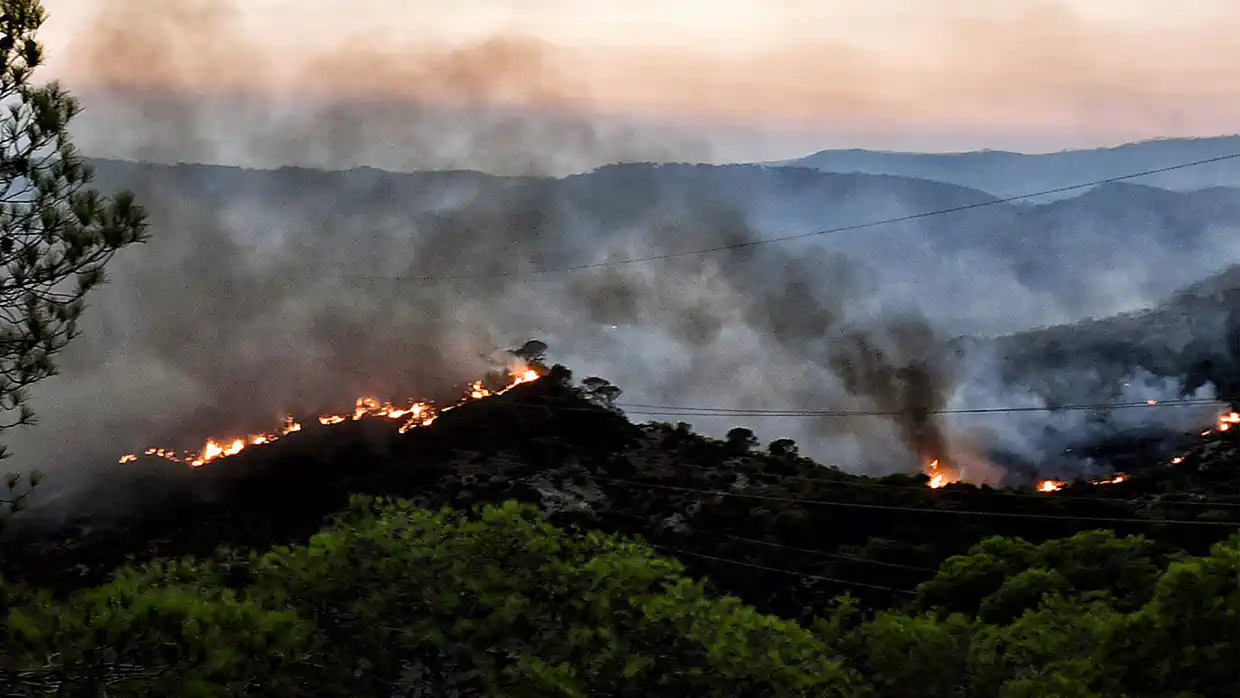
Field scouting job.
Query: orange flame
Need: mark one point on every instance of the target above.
(1051, 485)
(1227, 421)
(414, 414)
(938, 478)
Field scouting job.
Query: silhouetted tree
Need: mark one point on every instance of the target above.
(14, 495)
(740, 441)
(532, 352)
(601, 392)
(56, 233)
(559, 375)
(784, 448)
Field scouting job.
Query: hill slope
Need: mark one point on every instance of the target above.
(586, 465)
(1007, 174)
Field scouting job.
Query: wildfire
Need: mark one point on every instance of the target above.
(414, 414)
(366, 407)
(1056, 485)
(1227, 421)
(938, 478)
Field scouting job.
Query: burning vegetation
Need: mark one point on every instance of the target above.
(1226, 422)
(411, 414)
(940, 473)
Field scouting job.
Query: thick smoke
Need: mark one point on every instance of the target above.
(189, 83)
(264, 292)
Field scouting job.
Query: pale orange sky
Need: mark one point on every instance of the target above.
(923, 74)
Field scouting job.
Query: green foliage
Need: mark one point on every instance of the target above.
(157, 631)
(56, 233)
(393, 599)
(505, 603)
(1187, 636)
(1001, 578)
(1086, 616)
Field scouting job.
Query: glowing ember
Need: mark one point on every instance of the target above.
(413, 414)
(1177, 460)
(1118, 478)
(1051, 485)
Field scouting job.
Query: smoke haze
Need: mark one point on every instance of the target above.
(265, 292)
(1055, 71)
(189, 84)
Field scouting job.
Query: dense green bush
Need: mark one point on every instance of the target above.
(395, 600)
(391, 596)
(1090, 615)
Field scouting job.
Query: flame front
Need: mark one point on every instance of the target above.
(414, 414)
(1051, 485)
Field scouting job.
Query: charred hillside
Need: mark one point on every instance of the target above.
(750, 518)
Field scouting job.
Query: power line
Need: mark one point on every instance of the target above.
(925, 510)
(800, 236)
(810, 551)
(694, 411)
(781, 546)
(806, 575)
(677, 410)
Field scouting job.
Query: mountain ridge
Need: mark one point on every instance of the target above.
(1008, 173)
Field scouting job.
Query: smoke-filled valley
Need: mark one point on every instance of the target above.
(264, 292)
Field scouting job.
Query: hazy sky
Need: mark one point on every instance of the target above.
(766, 77)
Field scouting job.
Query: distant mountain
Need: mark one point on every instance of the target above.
(988, 266)
(1006, 174)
